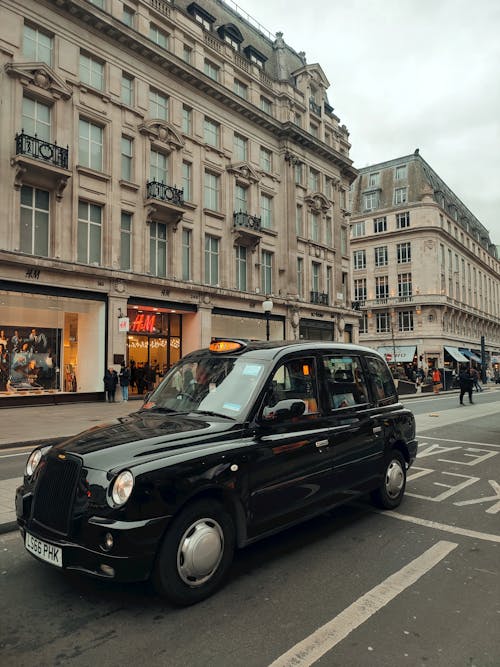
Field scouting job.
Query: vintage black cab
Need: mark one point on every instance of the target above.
(238, 441)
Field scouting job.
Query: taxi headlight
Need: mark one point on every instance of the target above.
(33, 461)
(122, 487)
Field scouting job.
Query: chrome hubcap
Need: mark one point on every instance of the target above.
(200, 551)
(394, 478)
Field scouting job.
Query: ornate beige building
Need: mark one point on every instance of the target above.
(425, 273)
(164, 167)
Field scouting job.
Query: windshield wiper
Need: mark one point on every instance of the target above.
(210, 413)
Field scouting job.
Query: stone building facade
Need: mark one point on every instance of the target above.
(164, 167)
(425, 273)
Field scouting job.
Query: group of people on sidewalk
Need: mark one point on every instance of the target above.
(112, 379)
(468, 379)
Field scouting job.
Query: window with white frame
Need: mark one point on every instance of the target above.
(405, 320)
(298, 174)
(98, 3)
(187, 120)
(36, 119)
(89, 233)
(127, 89)
(383, 322)
(266, 105)
(359, 259)
(381, 287)
(329, 283)
(300, 277)
(358, 229)
(363, 324)
(370, 201)
(126, 241)
(402, 220)
(315, 227)
(231, 41)
(266, 211)
(211, 260)
(37, 45)
(158, 36)
(313, 180)
(240, 148)
(266, 160)
(360, 290)
(211, 191)
(299, 220)
(128, 16)
(401, 172)
(202, 20)
(329, 236)
(256, 60)
(90, 145)
(240, 199)
(158, 167)
(381, 256)
(374, 179)
(187, 180)
(158, 105)
(266, 272)
(343, 240)
(127, 155)
(211, 132)
(211, 70)
(158, 249)
(400, 195)
(315, 277)
(314, 130)
(404, 285)
(240, 89)
(187, 54)
(241, 268)
(403, 252)
(187, 250)
(35, 221)
(91, 71)
(379, 225)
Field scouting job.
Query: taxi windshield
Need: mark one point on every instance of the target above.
(219, 385)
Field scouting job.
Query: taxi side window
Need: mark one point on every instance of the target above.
(382, 382)
(295, 380)
(345, 381)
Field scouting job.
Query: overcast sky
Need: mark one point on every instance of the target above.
(408, 74)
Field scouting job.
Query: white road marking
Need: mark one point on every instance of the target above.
(461, 442)
(488, 537)
(312, 648)
(8, 456)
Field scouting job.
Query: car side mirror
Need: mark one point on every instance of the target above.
(283, 410)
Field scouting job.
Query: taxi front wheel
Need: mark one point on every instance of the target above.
(390, 493)
(196, 553)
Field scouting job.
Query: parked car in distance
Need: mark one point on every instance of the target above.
(240, 440)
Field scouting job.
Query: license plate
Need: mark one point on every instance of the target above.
(47, 552)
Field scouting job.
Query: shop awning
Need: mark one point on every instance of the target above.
(455, 353)
(470, 355)
(398, 354)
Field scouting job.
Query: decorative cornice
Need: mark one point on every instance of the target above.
(40, 76)
(162, 132)
(317, 202)
(244, 171)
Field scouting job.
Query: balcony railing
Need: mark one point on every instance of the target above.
(242, 219)
(42, 150)
(319, 298)
(315, 108)
(166, 193)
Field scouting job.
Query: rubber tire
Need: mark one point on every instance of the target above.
(165, 577)
(379, 496)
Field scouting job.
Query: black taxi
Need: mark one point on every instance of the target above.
(239, 441)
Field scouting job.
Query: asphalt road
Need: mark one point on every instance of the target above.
(419, 586)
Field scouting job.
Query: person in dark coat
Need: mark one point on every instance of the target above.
(110, 381)
(466, 382)
(124, 378)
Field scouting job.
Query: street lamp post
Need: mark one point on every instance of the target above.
(267, 307)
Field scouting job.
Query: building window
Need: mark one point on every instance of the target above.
(90, 145)
(241, 268)
(360, 290)
(211, 70)
(313, 180)
(381, 256)
(35, 221)
(211, 260)
(363, 324)
(403, 251)
(381, 287)
(125, 241)
(98, 3)
(404, 285)
(128, 15)
(89, 233)
(240, 89)
(158, 249)
(359, 259)
(266, 105)
(240, 199)
(158, 36)
(37, 45)
(211, 132)
(36, 119)
(187, 120)
(379, 225)
(202, 20)
(299, 225)
(266, 272)
(370, 201)
(329, 236)
(240, 148)
(400, 195)
(127, 90)
(266, 160)
(158, 105)
(127, 154)
(298, 119)
(373, 179)
(187, 54)
(315, 277)
(403, 220)
(329, 283)
(266, 211)
(187, 242)
(343, 240)
(91, 71)
(300, 277)
(314, 130)
(211, 193)
(298, 174)
(358, 229)
(401, 172)
(405, 320)
(383, 322)
(187, 179)
(158, 167)
(315, 227)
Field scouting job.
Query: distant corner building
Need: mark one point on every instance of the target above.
(164, 167)
(425, 273)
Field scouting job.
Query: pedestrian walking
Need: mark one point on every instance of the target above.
(436, 381)
(110, 381)
(466, 381)
(475, 380)
(124, 378)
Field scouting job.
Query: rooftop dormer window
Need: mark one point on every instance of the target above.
(231, 35)
(255, 56)
(201, 16)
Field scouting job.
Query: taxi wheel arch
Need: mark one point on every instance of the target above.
(196, 553)
(391, 490)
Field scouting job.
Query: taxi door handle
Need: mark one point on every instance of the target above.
(322, 443)
(377, 429)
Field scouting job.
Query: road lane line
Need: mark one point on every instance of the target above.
(462, 442)
(312, 648)
(488, 537)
